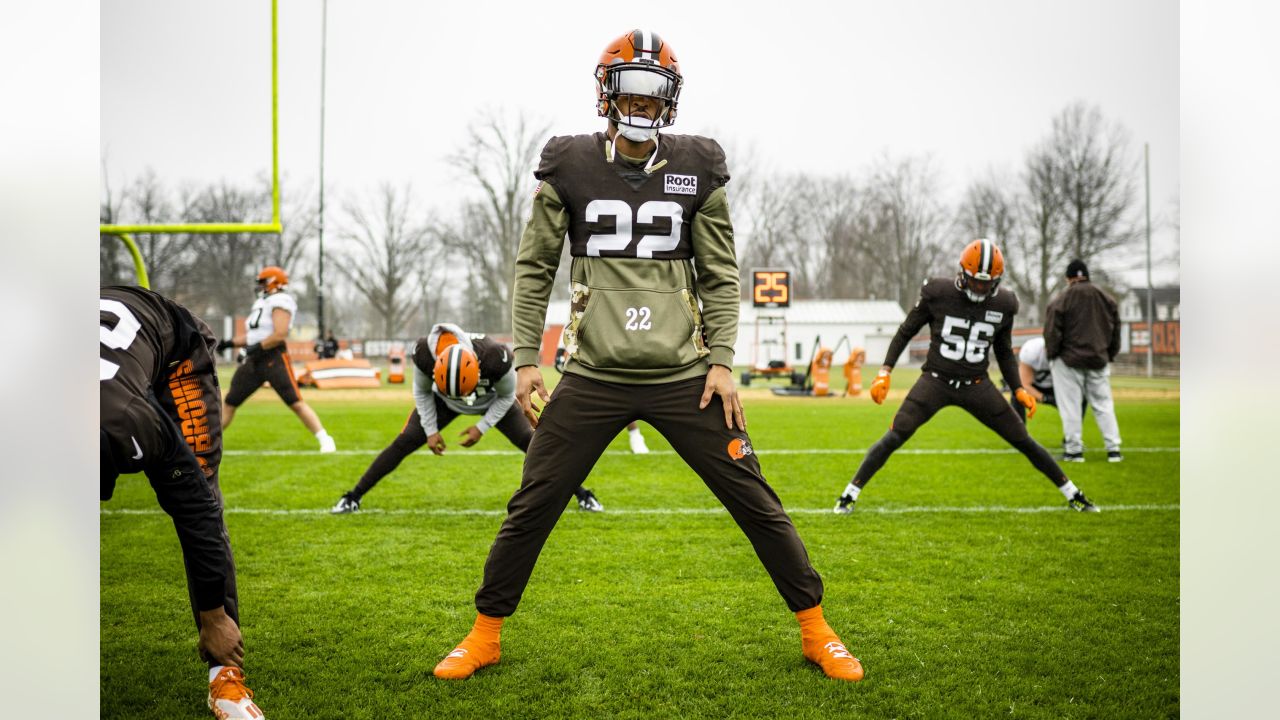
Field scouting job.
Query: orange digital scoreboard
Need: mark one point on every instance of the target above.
(770, 288)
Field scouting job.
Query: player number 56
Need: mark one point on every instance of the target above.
(973, 348)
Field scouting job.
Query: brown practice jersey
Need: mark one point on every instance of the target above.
(620, 210)
(152, 346)
(493, 357)
(962, 333)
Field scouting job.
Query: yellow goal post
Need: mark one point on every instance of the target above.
(124, 232)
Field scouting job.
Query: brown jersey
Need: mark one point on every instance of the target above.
(962, 333)
(616, 209)
(493, 357)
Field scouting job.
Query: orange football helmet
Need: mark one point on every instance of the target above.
(457, 371)
(981, 267)
(272, 280)
(638, 63)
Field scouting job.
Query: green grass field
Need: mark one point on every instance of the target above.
(962, 581)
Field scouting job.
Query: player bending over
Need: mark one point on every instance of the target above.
(266, 355)
(159, 416)
(456, 374)
(653, 257)
(966, 317)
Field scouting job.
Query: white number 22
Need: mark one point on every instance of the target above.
(621, 236)
(638, 319)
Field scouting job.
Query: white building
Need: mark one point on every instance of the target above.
(869, 324)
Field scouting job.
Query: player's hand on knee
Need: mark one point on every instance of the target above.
(880, 386)
(1027, 401)
(436, 443)
(220, 639)
(720, 382)
(471, 436)
(529, 380)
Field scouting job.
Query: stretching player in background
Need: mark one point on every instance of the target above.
(966, 316)
(1037, 379)
(158, 415)
(266, 355)
(455, 374)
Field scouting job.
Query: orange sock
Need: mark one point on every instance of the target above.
(822, 646)
(479, 648)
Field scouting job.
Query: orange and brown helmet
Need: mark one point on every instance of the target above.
(457, 371)
(272, 279)
(638, 63)
(981, 267)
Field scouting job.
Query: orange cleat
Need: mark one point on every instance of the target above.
(822, 647)
(229, 699)
(470, 655)
(836, 661)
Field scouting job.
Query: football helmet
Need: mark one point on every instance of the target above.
(457, 371)
(272, 280)
(638, 63)
(981, 267)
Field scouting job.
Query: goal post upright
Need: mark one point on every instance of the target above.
(274, 227)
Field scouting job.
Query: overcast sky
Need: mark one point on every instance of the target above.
(808, 86)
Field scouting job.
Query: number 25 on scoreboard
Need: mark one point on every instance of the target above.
(771, 288)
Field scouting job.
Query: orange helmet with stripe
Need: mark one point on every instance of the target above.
(981, 267)
(638, 63)
(272, 280)
(457, 371)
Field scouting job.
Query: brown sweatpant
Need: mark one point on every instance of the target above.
(581, 419)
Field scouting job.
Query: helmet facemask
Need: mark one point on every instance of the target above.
(639, 78)
(976, 287)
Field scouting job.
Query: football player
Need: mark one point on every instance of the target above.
(654, 315)
(456, 374)
(1037, 379)
(266, 355)
(967, 317)
(159, 411)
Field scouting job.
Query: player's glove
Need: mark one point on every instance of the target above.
(1027, 401)
(880, 387)
(253, 350)
(224, 344)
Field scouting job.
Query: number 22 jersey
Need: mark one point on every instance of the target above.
(962, 333)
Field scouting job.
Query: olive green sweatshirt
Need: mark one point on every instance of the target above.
(633, 319)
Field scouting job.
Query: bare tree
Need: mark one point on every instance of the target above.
(911, 222)
(497, 160)
(1096, 180)
(386, 249)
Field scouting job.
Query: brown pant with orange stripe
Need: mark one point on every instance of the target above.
(271, 366)
(581, 419)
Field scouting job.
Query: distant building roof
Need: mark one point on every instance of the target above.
(1160, 295)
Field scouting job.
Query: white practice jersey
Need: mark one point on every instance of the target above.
(1033, 355)
(258, 327)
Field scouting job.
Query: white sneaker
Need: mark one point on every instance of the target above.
(637, 444)
(327, 444)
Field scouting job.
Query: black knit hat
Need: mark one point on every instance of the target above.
(1077, 268)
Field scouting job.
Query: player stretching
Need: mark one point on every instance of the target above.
(455, 374)
(266, 356)
(966, 317)
(159, 416)
(653, 256)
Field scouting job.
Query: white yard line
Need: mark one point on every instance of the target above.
(764, 452)
(446, 512)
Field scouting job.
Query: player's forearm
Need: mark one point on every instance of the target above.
(907, 330)
(425, 400)
(197, 519)
(717, 281)
(497, 409)
(536, 264)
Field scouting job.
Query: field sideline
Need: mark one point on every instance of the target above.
(962, 581)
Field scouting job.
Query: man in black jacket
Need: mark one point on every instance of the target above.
(1081, 336)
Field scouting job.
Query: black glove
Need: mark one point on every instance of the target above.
(253, 350)
(224, 344)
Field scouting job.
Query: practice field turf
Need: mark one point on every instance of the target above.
(962, 581)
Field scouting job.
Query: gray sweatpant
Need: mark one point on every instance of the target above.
(1071, 385)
